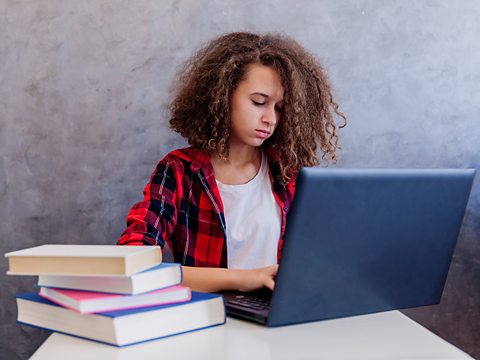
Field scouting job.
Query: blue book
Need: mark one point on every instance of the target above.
(157, 277)
(125, 327)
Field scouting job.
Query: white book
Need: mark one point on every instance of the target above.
(96, 260)
(157, 277)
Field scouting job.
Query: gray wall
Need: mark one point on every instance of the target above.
(84, 87)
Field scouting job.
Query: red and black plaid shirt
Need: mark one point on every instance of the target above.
(182, 209)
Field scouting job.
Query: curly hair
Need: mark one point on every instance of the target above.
(200, 111)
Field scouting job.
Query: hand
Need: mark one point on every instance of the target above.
(255, 279)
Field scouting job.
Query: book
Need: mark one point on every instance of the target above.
(124, 327)
(83, 259)
(87, 302)
(157, 277)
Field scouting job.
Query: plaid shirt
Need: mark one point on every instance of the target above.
(183, 213)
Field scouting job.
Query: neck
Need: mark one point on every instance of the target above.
(240, 155)
(242, 165)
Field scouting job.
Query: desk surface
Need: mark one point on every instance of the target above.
(387, 335)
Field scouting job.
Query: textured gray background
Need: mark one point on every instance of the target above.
(83, 93)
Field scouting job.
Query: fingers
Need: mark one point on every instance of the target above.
(270, 284)
(271, 272)
(273, 269)
(255, 279)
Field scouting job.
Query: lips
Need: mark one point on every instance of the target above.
(262, 134)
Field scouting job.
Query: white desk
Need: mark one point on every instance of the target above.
(388, 335)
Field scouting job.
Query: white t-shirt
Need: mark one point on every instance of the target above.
(254, 219)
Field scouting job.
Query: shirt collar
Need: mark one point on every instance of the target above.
(200, 158)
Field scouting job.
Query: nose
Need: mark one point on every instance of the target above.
(270, 117)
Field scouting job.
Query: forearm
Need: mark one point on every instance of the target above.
(218, 279)
(211, 279)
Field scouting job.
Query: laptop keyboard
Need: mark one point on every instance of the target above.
(250, 302)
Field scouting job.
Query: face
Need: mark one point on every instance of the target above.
(256, 106)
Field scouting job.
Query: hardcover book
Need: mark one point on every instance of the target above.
(124, 327)
(158, 277)
(83, 260)
(87, 302)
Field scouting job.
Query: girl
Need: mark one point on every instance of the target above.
(253, 108)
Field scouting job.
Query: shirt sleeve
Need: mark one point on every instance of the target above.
(152, 221)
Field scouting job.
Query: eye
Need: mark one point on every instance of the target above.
(278, 109)
(258, 103)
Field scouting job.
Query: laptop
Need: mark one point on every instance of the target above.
(360, 241)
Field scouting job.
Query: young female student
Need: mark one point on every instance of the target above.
(254, 108)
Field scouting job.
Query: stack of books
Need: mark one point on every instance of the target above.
(119, 295)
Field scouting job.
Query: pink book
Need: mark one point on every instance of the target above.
(86, 302)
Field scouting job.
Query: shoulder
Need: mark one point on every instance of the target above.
(185, 155)
(185, 159)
